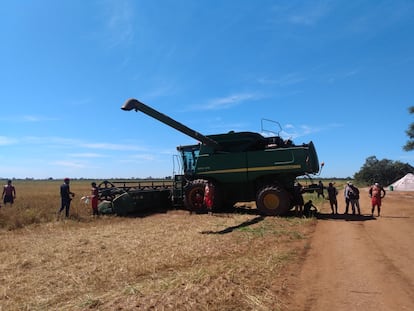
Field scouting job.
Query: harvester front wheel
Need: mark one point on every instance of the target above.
(194, 196)
(273, 201)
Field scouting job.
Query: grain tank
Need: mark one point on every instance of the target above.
(239, 166)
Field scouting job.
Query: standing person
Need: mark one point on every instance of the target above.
(209, 196)
(346, 195)
(376, 193)
(94, 199)
(298, 201)
(354, 198)
(332, 194)
(66, 196)
(9, 193)
(320, 189)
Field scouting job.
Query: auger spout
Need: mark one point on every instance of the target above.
(134, 104)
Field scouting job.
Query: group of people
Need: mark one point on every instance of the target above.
(67, 195)
(301, 208)
(351, 195)
(9, 195)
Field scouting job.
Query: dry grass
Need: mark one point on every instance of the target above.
(170, 261)
(39, 201)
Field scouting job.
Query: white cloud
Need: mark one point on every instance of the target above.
(27, 118)
(7, 141)
(119, 18)
(110, 146)
(292, 132)
(286, 80)
(50, 140)
(163, 89)
(86, 155)
(70, 164)
(80, 102)
(61, 141)
(31, 118)
(147, 157)
(308, 14)
(342, 75)
(228, 102)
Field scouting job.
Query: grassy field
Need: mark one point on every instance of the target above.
(38, 201)
(164, 261)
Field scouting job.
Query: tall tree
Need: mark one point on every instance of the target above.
(410, 132)
(383, 171)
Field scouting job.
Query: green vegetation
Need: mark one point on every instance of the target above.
(383, 171)
(409, 146)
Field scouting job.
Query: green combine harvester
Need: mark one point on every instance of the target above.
(233, 167)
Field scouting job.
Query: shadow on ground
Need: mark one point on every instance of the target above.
(346, 217)
(231, 229)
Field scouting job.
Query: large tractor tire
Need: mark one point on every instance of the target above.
(194, 196)
(273, 201)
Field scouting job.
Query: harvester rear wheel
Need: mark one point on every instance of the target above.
(273, 201)
(194, 196)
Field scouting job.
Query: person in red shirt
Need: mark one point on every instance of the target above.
(9, 193)
(376, 193)
(94, 199)
(209, 196)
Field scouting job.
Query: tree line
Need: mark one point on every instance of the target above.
(382, 171)
(387, 171)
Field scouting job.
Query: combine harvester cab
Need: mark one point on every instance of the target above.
(237, 167)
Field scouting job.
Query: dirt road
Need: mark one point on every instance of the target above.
(361, 263)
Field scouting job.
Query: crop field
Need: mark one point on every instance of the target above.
(161, 261)
(39, 200)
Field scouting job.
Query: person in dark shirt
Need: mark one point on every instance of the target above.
(298, 198)
(9, 193)
(309, 209)
(332, 196)
(354, 198)
(66, 196)
(320, 189)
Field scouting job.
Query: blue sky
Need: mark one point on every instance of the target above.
(339, 73)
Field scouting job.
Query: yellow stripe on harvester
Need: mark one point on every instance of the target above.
(254, 169)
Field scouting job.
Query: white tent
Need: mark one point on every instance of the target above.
(404, 184)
